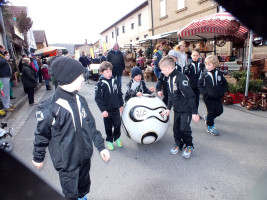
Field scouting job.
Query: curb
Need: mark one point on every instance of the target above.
(21, 102)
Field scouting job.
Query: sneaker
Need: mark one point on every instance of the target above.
(13, 106)
(174, 150)
(83, 198)
(205, 119)
(10, 109)
(119, 143)
(110, 146)
(2, 113)
(13, 97)
(212, 130)
(187, 152)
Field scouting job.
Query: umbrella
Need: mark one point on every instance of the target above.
(48, 51)
(208, 27)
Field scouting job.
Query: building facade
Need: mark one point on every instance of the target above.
(129, 29)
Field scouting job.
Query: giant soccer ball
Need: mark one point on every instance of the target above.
(142, 120)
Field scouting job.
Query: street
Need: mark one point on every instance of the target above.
(223, 167)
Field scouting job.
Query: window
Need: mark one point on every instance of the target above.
(181, 4)
(106, 39)
(137, 38)
(139, 20)
(117, 31)
(123, 29)
(112, 34)
(162, 8)
(146, 35)
(132, 26)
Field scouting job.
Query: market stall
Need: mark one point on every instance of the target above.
(49, 51)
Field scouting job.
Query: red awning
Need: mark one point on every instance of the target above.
(217, 24)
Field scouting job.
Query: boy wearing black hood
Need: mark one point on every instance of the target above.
(67, 127)
(108, 97)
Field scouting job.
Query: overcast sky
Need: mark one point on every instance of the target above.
(73, 21)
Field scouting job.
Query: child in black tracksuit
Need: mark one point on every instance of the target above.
(136, 86)
(193, 72)
(108, 97)
(162, 80)
(67, 127)
(212, 85)
(182, 99)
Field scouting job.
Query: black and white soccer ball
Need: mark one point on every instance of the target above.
(142, 120)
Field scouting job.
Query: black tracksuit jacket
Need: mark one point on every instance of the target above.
(108, 95)
(132, 93)
(181, 96)
(193, 71)
(212, 85)
(67, 127)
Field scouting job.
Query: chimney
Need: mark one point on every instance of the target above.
(85, 41)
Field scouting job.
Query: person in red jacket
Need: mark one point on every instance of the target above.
(46, 76)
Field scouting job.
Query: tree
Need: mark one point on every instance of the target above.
(24, 23)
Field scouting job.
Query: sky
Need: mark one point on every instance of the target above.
(73, 21)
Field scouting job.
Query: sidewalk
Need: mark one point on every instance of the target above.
(21, 98)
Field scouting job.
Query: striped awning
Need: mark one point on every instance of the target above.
(217, 24)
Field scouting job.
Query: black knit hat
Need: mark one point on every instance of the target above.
(136, 71)
(66, 70)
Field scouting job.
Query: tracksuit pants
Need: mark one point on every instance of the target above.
(76, 184)
(214, 109)
(181, 129)
(113, 121)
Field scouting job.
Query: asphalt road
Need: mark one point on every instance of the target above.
(223, 167)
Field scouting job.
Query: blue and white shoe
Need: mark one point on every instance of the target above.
(174, 150)
(212, 130)
(187, 152)
(83, 198)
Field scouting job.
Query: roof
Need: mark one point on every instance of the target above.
(16, 10)
(126, 16)
(39, 36)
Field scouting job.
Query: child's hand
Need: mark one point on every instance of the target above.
(152, 89)
(105, 155)
(195, 118)
(121, 109)
(105, 114)
(139, 94)
(37, 165)
(166, 112)
(160, 94)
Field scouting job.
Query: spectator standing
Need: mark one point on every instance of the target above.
(20, 62)
(85, 62)
(46, 76)
(28, 79)
(182, 59)
(104, 57)
(156, 58)
(5, 73)
(116, 58)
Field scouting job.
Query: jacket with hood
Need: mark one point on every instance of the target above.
(28, 77)
(108, 95)
(181, 96)
(117, 60)
(132, 93)
(212, 84)
(193, 71)
(67, 127)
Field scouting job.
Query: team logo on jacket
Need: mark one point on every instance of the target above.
(39, 116)
(96, 88)
(185, 82)
(83, 113)
(115, 87)
(219, 78)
